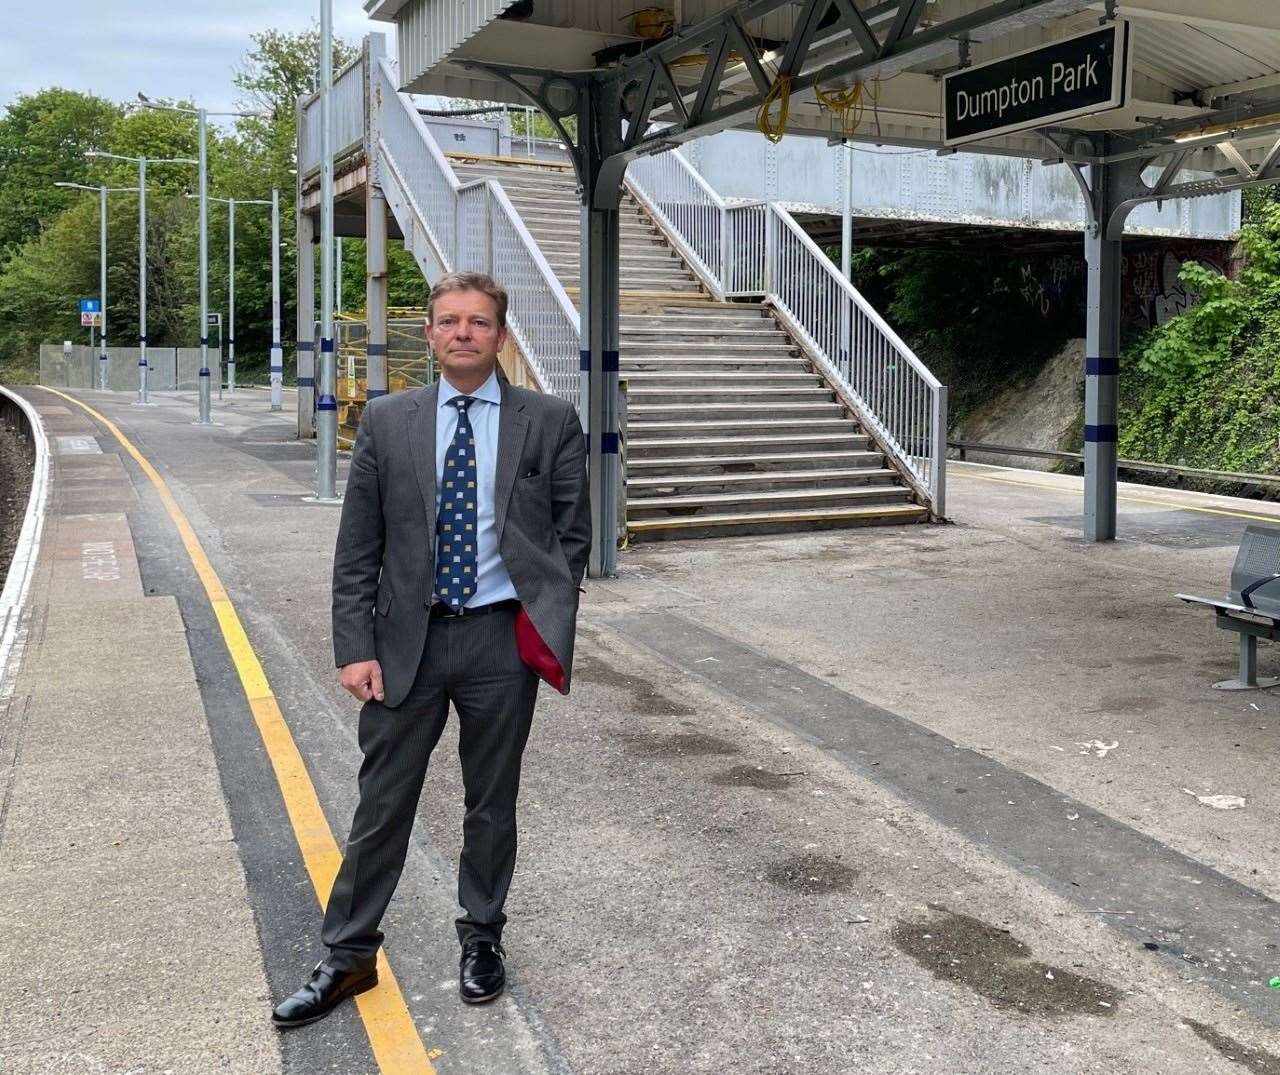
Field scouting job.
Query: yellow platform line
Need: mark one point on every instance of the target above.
(1126, 497)
(397, 1046)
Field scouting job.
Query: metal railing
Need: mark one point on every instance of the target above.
(758, 249)
(473, 226)
(348, 103)
(693, 214)
(900, 403)
(745, 227)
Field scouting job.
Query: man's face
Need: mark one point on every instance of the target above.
(465, 336)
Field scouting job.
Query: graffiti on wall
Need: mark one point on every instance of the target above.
(1047, 283)
(1151, 292)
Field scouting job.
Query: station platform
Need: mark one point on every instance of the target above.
(913, 799)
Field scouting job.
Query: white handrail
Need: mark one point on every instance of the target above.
(759, 249)
(690, 212)
(898, 400)
(473, 226)
(854, 295)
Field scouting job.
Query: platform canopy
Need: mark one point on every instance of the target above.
(1203, 75)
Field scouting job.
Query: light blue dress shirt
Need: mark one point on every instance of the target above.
(492, 581)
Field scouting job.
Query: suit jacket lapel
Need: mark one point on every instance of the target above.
(513, 424)
(421, 430)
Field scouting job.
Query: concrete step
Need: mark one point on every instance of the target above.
(642, 487)
(645, 395)
(521, 175)
(758, 463)
(640, 431)
(701, 445)
(709, 348)
(699, 329)
(777, 521)
(728, 381)
(567, 220)
(658, 274)
(642, 413)
(653, 254)
(650, 244)
(752, 313)
(641, 282)
(672, 362)
(657, 507)
(543, 218)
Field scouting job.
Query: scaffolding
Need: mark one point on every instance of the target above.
(410, 363)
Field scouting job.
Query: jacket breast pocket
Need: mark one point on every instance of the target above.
(383, 603)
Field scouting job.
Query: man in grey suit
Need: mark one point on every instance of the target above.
(466, 519)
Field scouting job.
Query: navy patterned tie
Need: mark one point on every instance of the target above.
(456, 523)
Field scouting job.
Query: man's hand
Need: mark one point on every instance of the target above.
(363, 679)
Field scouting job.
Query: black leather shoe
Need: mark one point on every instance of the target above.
(481, 976)
(325, 990)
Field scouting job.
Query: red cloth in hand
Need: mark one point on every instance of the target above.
(536, 653)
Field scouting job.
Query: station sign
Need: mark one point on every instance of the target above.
(1077, 76)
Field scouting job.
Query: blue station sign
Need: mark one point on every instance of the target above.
(1077, 76)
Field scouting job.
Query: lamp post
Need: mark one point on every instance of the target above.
(202, 122)
(103, 191)
(277, 351)
(231, 204)
(142, 163)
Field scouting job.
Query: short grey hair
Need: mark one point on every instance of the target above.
(470, 281)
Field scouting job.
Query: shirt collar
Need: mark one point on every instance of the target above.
(490, 391)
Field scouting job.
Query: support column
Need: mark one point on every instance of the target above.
(306, 334)
(598, 128)
(376, 290)
(1102, 357)
(231, 296)
(277, 351)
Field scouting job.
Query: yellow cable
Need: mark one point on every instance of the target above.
(844, 103)
(780, 91)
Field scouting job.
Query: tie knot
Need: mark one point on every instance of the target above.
(462, 402)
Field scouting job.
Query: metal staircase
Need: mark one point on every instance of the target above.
(763, 392)
(724, 415)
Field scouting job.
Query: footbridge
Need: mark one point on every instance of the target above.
(627, 265)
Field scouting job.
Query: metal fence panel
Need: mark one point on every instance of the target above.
(187, 369)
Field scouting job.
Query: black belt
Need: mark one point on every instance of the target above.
(442, 611)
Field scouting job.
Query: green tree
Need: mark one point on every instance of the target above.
(1203, 389)
(43, 139)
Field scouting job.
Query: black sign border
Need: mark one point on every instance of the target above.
(1120, 82)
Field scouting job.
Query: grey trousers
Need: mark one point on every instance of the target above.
(473, 663)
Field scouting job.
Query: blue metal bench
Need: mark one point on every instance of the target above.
(1252, 608)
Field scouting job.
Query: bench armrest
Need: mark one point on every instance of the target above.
(1246, 594)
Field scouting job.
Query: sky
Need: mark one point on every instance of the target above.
(114, 48)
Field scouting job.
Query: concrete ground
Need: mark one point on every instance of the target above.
(895, 800)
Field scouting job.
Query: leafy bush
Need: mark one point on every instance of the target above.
(1204, 388)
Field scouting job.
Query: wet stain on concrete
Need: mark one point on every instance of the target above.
(997, 966)
(646, 700)
(1127, 703)
(811, 875)
(676, 745)
(1151, 660)
(1257, 1061)
(752, 776)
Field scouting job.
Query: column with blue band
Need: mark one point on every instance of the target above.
(326, 402)
(1101, 394)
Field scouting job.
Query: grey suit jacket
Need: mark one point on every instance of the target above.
(384, 562)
